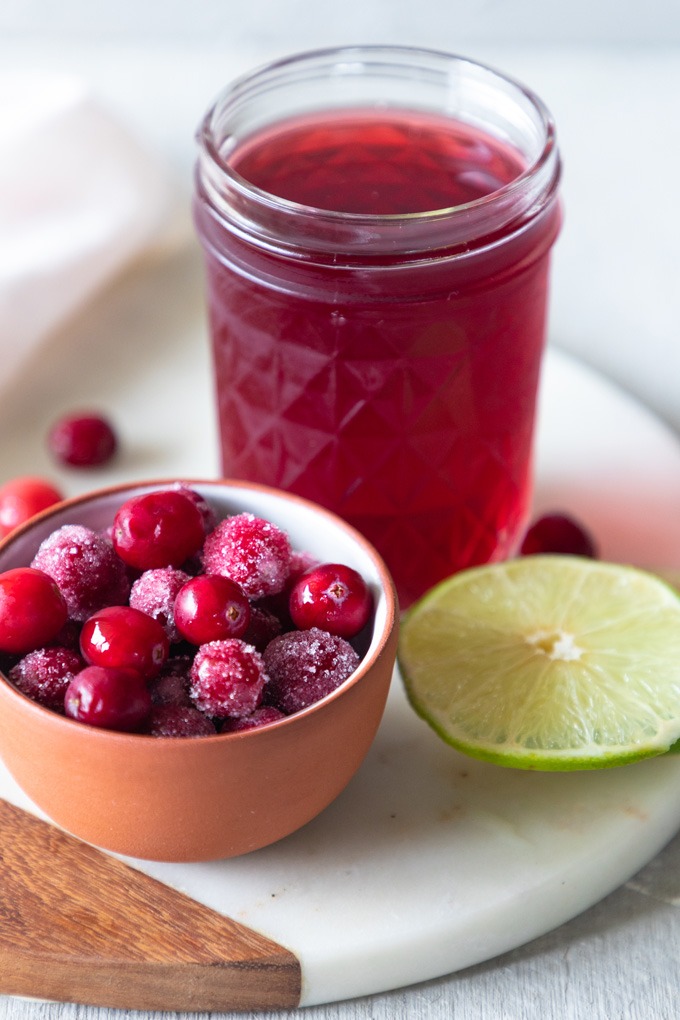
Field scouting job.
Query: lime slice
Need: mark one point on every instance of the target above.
(547, 662)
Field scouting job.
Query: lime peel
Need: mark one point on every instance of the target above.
(552, 663)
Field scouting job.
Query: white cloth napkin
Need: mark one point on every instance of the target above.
(79, 198)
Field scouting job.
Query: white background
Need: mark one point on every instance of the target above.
(292, 23)
(608, 69)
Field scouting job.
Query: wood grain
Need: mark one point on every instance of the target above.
(79, 926)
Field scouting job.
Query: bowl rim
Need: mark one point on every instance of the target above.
(113, 737)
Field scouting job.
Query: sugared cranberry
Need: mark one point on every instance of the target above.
(208, 515)
(306, 665)
(86, 568)
(154, 593)
(260, 717)
(114, 699)
(558, 533)
(124, 638)
(227, 678)
(32, 610)
(332, 597)
(251, 551)
(158, 529)
(211, 607)
(82, 440)
(264, 626)
(44, 674)
(22, 498)
(300, 563)
(171, 686)
(178, 721)
(69, 635)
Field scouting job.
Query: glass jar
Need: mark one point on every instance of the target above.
(376, 224)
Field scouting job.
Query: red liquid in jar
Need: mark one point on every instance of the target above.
(403, 400)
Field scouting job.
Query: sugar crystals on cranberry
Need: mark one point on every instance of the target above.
(227, 678)
(306, 665)
(251, 551)
(84, 565)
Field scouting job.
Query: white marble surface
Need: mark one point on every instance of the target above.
(616, 304)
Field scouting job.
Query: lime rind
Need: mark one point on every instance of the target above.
(550, 663)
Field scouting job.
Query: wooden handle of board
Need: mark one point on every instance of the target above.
(79, 926)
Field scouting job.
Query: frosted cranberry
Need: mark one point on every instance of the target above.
(260, 717)
(264, 626)
(124, 638)
(114, 699)
(208, 515)
(300, 563)
(86, 568)
(22, 498)
(157, 529)
(82, 440)
(179, 721)
(251, 551)
(32, 610)
(558, 533)
(306, 665)
(154, 593)
(171, 686)
(69, 635)
(211, 607)
(227, 678)
(332, 597)
(44, 674)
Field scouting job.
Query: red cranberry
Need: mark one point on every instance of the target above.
(86, 568)
(209, 608)
(171, 686)
(82, 440)
(157, 529)
(227, 678)
(306, 665)
(251, 551)
(264, 626)
(115, 699)
(22, 498)
(44, 674)
(124, 638)
(179, 721)
(154, 593)
(32, 610)
(332, 597)
(558, 533)
(208, 515)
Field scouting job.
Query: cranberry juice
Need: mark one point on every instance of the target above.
(398, 390)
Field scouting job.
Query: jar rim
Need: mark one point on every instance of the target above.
(247, 207)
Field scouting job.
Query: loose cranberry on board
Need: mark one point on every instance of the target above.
(82, 439)
(558, 533)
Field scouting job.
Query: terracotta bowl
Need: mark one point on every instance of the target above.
(190, 799)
